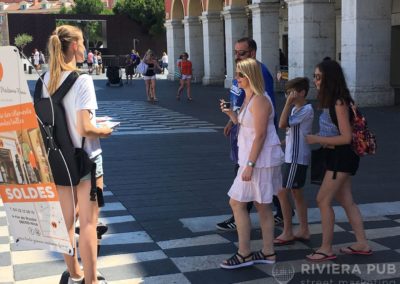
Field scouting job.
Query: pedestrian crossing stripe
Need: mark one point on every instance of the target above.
(122, 266)
(138, 118)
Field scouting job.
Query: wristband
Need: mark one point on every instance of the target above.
(251, 164)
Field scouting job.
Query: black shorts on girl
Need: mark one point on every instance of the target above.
(342, 159)
(294, 175)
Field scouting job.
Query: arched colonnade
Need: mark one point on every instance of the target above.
(356, 32)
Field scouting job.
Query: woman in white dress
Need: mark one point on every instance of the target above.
(260, 159)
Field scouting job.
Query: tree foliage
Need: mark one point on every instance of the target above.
(149, 13)
(21, 40)
(88, 7)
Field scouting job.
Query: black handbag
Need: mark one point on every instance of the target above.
(318, 166)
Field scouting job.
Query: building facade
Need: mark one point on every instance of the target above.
(363, 35)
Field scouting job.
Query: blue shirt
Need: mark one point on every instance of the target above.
(326, 126)
(236, 97)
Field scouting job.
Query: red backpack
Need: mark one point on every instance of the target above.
(363, 140)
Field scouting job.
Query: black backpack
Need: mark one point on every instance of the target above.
(59, 147)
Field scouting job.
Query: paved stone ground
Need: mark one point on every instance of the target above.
(167, 174)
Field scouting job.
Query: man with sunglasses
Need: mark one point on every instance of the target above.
(246, 48)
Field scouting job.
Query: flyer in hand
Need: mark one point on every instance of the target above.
(106, 121)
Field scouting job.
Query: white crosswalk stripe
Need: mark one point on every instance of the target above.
(138, 118)
(121, 267)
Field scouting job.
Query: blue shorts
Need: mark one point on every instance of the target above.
(99, 168)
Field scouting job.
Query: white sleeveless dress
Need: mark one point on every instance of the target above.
(266, 179)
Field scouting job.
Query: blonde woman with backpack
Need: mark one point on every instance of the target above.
(65, 48)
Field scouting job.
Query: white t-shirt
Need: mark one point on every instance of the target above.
(36, 57)
(81, 96)
(300, 124)
(165, 59)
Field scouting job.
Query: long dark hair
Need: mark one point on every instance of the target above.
(333, 85)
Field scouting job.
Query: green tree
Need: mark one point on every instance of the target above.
(21, 40)
(65, 10)
(90, 7)
(149, 13)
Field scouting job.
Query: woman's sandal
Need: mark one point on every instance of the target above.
(259, 257)
(237, 261)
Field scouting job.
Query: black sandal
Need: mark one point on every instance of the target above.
(259, 257)
(237, 261)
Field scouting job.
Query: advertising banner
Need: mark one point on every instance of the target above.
(26, 184)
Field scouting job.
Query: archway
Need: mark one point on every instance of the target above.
(177, 11)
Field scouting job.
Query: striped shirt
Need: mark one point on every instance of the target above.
(300, 124)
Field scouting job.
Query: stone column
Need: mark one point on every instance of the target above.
(236, 27)
(311, 35)
(194, 46)
(175, 44)
(366, 42)
(266, 32)
(213, 48)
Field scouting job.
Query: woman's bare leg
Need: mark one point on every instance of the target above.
(345, 198)
(66, 202)
(243, 225)
(88, 236)
(267, 227)
(326, 193)
(188, 89)
(153, 89)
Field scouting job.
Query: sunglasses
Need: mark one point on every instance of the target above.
(240, 74)
(241, 52)
(317, 77)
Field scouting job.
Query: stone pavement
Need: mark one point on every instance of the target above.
(167, 173)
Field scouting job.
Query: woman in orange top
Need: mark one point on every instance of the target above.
(185, 66)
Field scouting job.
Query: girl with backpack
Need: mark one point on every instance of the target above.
(65, 48)
(340, 160)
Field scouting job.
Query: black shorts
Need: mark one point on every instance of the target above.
(294, 175)
(342, 159)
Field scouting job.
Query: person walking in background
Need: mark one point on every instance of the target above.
(296, 118)
(90, 61)
(335, 136)
(260, 158)
(42, 59)
(129, 70)
(185, 66)
(36, 58)
(100, 62)
(164, 59)
(65, 49)
(150, 75)
(246, 48)
(96, 63)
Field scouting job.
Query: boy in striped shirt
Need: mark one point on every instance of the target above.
(297, 118)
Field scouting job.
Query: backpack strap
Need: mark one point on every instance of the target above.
(60, 93)
(38, 89)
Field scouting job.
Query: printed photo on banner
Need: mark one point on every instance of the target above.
(27, 187)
